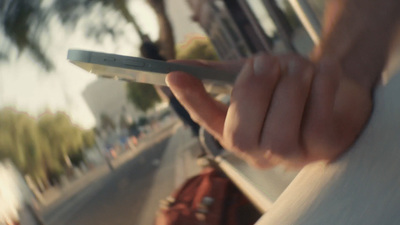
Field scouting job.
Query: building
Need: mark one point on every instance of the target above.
(106, 97)
(240, 28)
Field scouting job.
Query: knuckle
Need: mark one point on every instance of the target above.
(296, 66)
(260, 159)
(284, 148)
(238, 141)
(260, 67)
(241, 145)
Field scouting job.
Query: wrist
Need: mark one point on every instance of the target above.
(360, 44)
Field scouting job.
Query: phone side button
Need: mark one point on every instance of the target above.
(129, 62)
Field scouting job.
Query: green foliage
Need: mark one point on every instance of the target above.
(24, 21)
(88, 137)
(6, 143)
(38, 148)
(143, 96)
(63, 136)
(197, 48)
(18, 18)
(77, 158)
(19, 140)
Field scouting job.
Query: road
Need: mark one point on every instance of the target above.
(130, 194)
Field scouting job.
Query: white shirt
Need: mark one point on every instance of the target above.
(362, 187)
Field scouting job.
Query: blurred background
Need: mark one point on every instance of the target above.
(76, 149)
(58, 121)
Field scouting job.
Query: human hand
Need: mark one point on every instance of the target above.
(283, 110)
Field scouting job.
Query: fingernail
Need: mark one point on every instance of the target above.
(170, 76)
(166, 80)
(245, 72)
(265, 64)
(305, 72)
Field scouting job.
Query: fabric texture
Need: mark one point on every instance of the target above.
(209, 198)
(361, 187)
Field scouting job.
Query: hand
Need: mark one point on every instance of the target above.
(283, 109)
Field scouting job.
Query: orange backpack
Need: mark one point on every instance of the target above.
(207, 199)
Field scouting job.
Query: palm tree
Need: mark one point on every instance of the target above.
(21, 18)
(166, 40)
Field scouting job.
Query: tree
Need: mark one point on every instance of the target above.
(21, 19)
(197, 48)
(166, 40)
(24, 21)
(88, 137)
(6, 144)
(143, 96)
(63, 136)
(20, 141)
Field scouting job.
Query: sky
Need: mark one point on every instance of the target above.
(26, 86)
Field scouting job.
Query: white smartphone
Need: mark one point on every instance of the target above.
(134, 69)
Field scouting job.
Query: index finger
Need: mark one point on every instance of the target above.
(203, 109)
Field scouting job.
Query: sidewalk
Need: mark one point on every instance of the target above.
(57, 196)
(179, 163)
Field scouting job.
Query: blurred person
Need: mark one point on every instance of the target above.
(286, 109)
(164, 49)
(150, 50)
(166, 40)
